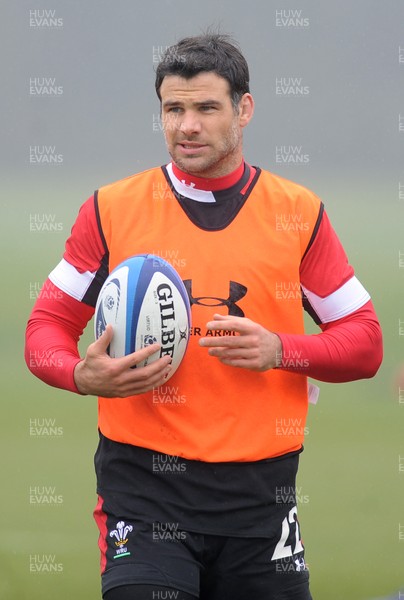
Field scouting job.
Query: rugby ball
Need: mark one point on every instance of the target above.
(145, 301)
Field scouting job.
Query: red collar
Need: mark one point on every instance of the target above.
(212, 184)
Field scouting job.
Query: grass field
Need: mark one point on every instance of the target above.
(350, 483)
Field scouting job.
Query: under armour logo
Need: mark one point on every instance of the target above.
(300, 564)
(236, 292)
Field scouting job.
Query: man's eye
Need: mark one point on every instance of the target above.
(174, 109)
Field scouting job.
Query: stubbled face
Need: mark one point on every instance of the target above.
(203, 132)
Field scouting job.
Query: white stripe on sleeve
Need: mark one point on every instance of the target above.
(341, 303)
(69, 280)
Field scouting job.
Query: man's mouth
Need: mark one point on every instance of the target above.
(191, 144)
(191, 147)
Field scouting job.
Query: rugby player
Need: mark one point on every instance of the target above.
(196, 479)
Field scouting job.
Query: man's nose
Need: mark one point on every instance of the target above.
(190, 123)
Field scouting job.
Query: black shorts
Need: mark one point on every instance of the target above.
(147, 538)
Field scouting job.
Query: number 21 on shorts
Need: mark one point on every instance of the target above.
(282, 549)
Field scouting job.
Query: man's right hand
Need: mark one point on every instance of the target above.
(100, 375)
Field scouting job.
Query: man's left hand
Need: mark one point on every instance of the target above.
(249, 345)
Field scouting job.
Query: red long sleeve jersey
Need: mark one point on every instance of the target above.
(348, 348)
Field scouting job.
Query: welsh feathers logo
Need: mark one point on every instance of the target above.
(121, 533)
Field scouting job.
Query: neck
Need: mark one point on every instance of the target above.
(210, 183)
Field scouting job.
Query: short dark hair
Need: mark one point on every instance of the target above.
(210, 52)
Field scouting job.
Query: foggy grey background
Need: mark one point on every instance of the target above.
(102, 56)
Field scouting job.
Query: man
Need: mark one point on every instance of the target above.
(251, 247)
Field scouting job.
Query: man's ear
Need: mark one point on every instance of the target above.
(246, 109)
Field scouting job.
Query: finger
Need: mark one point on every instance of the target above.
(102, 343)
(133, 359)
(156, 381)
(227, 341)
(239, 357)
(215, 342)
(228, 323)
(149, 373)
(233, 353)
(156, 368)
(219, 317)
(143, 379)
(240, 363)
